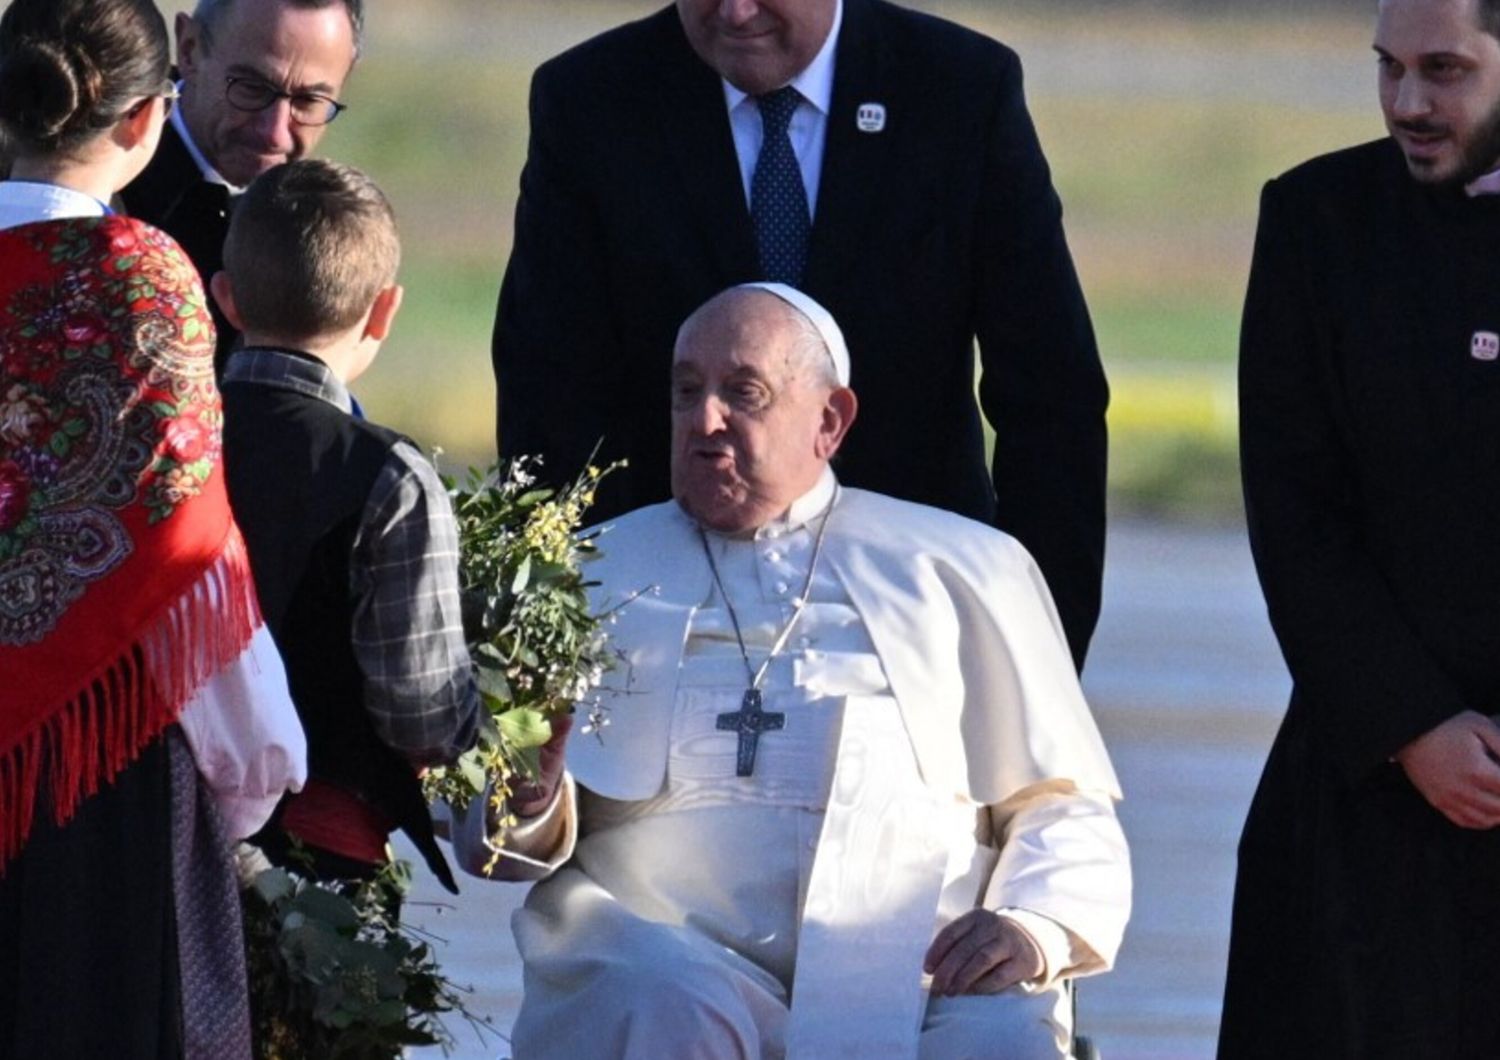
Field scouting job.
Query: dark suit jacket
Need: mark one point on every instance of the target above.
(1366, 924)
(171, 194)
(941, 228)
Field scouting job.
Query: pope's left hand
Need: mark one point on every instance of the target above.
(981, 953)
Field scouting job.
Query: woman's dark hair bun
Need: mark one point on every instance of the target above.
(40, 90)
(69, 68)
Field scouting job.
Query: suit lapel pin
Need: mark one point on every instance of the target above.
(1484, 346)
(870, 118)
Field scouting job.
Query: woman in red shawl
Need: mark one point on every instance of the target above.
(143, 714)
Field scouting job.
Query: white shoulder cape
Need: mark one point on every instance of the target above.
(960, 617)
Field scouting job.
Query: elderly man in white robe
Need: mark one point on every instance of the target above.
(851, 802)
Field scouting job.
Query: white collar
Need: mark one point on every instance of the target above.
(24, 202)
(1488, 184)
(815, 83)
(210, 174)
(805, 508)
(802, 511)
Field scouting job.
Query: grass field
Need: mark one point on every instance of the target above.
(1160, 129)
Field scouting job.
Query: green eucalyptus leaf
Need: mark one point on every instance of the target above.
(492, 683)
(388, 1012)
(523, 727)
(488, 656)
(528, 761)
(522, 576)
(273, 885)
(329, 907)
(546, 574)
(472, 772)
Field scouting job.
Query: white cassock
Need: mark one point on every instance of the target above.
(936, 755)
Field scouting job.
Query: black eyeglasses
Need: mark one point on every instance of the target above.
(253, 94)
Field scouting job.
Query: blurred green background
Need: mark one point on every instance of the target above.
(1161, 122)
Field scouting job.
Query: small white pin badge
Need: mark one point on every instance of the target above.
(870, 117)
(1484, 346)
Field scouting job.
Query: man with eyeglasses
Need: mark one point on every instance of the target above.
(260, 80)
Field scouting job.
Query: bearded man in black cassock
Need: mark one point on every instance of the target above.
(1367, 910)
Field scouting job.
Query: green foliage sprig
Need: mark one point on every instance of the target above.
(537, 648)
(334, 976)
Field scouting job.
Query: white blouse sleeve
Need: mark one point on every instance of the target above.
(246, 737)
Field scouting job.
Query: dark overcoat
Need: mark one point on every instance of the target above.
(171, 194)
(940, 227)
(1365, 923)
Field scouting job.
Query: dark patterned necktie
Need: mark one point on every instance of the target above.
(778, 201)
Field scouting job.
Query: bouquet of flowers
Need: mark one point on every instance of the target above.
(537, 647)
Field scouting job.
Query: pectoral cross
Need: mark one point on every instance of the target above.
(749, 721)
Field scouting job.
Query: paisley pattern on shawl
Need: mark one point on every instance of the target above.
(100, 408)
(123, 582)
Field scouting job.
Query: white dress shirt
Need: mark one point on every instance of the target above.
(210, 174)
(808, 130)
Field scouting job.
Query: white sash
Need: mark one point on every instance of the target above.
(884, 853)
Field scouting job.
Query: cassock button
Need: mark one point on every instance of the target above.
(781, 588)
(773, 556)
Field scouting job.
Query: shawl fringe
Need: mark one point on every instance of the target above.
(89, 739)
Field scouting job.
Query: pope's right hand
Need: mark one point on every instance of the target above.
(1456, 767)
(529, 800)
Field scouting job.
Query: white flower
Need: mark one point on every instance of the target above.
(598, 716)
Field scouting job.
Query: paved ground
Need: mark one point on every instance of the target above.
(1188, 687)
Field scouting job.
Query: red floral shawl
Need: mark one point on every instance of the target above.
(124, 584)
